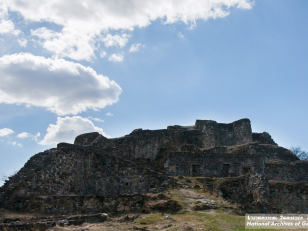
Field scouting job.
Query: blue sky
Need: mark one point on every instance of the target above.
(114, 66)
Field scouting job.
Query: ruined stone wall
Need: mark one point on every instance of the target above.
(146, 143)
(284, 171)
(64, 179)
(270, 152)
(217, 134)
(212, 165)
(263, 138)
(82, 170)
(249, 191)
(79, 204)
(289, 197)
(255, 194)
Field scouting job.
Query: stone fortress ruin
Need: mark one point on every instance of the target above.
(97, 174)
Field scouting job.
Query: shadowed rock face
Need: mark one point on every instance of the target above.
(101, 171)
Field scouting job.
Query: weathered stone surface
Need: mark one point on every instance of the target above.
(97, 174)
(212, 165)
(146, 143)
(285, 171)
(262, 138)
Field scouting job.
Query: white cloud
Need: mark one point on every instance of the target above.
(36, 136)
(22, 42)
(115, 40)
(103, 54)
(96, 119)
(6, 25)
(14, 143)
(67, 43)
(180, 35)
(135, 47)
(23, 135)
(100, 15)
(116, 57)
(61, 86)
(85, 23)
(67, 129)
(5, 132)
(109, 114)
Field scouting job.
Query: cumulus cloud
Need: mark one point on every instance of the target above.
(135, 47)
(85, 23)
(96, 119)
(60, 86)
(67, 43)
(5, 132)
(116, 57)
(6, 25)
(66, 129)
(24, 135)
(109, 114)
(115, 40)
(96, 15)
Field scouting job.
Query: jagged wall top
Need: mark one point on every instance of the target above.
(146, 143)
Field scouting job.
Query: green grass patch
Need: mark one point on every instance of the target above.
(150, 219)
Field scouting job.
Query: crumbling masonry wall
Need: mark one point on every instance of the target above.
(79, 204)
(147, 143)
(212, 165)
(296, 171)
(98, 174)
(80, 171)
(289, 197)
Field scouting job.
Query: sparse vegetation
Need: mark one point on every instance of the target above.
(224, 217)
(301, 154)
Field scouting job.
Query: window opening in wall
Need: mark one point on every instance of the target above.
(196, 170)
(225, 169)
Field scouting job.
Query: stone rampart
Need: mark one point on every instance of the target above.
(212, 164)
(86, 175)
(288, 197)
(296, 171)
(80, 171)
(54, 204)
(147, 143)
(217, 134)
